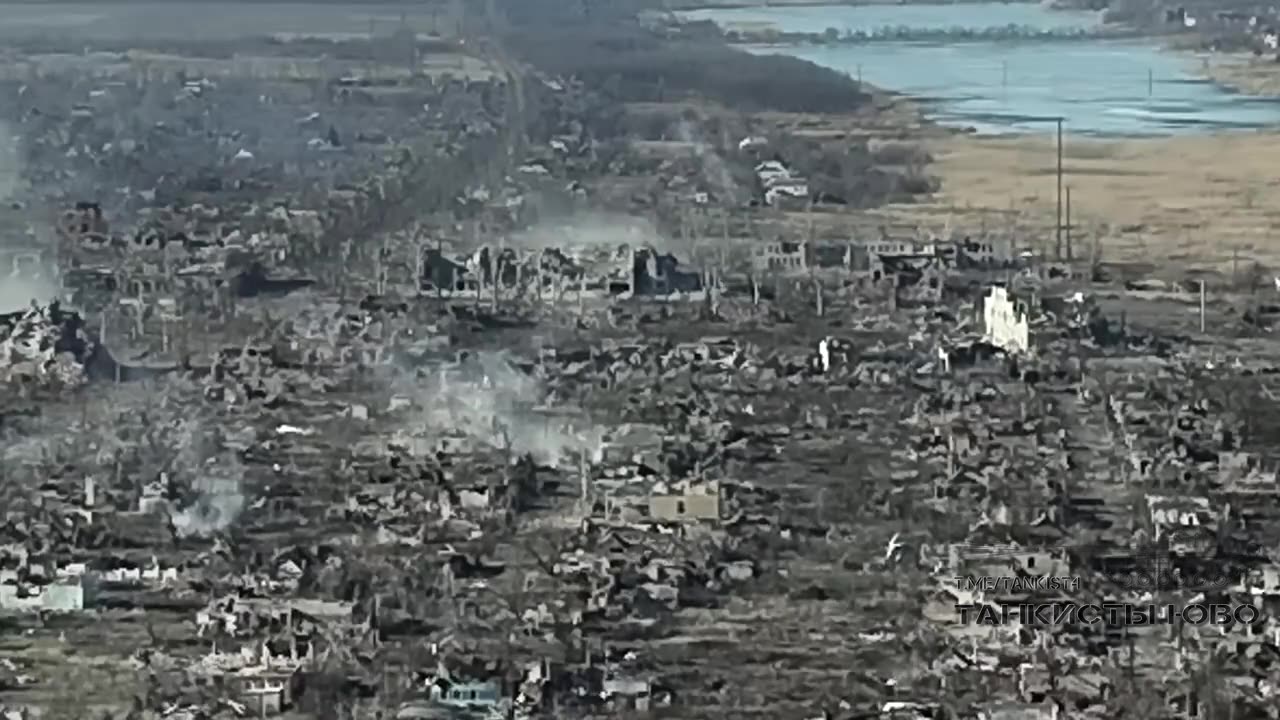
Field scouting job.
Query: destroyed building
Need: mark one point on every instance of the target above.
(1005, 322)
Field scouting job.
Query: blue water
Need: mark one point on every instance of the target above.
(1099, 87)
(817, 18)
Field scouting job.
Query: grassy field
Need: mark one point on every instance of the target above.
(211, 21)
(1181, 202)
(1246, 74)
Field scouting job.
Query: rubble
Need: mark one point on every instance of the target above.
(375, 390)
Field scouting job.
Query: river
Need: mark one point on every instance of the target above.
(1099, 87)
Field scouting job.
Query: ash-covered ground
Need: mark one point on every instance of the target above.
(423, 375)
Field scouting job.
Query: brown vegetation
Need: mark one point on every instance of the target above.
(1202, 201)
(632, 66)
(861, 174)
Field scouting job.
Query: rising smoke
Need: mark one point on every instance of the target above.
(489, 400)
(714, 170)
(218, 503)
(17, 292)
(216, 499)
(591, 230)
(10, 163)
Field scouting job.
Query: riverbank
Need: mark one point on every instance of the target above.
(1197, 199)
(762, 34)
(690, 5)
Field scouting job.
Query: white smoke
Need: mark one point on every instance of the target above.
(38, 284)
(591, 230)
(714, 170)
(17, 292)
(492, 402)
(217, 505)
(10, 162)
(218, 498)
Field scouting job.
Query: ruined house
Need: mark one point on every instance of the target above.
(984, 252)
(918, 278)
(887, 247)
(1005, 323)
(23, 262)
(660, 274)
(84, 223)
(66, 595)
(627, 693)
(266, 691)
(438, 272)
(1173, 513)
(466, 693)
(693, 505)
(781, 257)
(265, 684)
(46, 343)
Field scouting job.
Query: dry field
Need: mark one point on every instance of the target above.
(213, 21)
(1180, 202)
(1246, 74)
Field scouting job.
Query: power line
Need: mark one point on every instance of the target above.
(1058, 229)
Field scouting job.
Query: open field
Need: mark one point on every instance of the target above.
(1246, 74)
(207, 21)
(1190, 201)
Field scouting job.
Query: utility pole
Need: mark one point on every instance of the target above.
(498, 266)
(1058, 233)
(1202, 306)
(811, 260)
(1070, 255)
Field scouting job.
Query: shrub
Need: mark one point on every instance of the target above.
(637, 67)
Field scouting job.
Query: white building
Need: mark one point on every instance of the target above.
(62, 596)
(1005, 325)
(772, 171)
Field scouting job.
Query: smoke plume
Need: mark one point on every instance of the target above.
(490, 401)
(216, 488)
(217, 504)
(714, 170)
(591, 230)
(10, 162)
(17, 291)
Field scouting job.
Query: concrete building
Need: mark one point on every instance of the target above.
(1005, 323)
(781, 257)
(692, 506)
(266, 691)
(483, 693)
(63, 596)
(899, 247)
(625, 694)
(984, 252)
